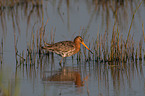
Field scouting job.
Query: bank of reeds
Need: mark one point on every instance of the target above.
(116, 50)
(119, 49)
(37, 40)
(105, 49)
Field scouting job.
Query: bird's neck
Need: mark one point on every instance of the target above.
(78, 45)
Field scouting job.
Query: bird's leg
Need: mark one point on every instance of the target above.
(64, 60)
(60, 61)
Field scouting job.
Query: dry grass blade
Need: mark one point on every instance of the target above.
(143, 31)
(140, 49)
(132, 20)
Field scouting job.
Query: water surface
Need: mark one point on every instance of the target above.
(21, 24)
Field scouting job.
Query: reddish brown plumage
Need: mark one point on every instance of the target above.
(66, 48)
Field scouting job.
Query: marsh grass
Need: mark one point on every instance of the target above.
(9, 8)
(35, 7)
(116, 50)
(12, 3)
(115, 53)
(37, 40)
(119, 51)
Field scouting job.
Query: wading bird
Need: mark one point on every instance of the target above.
(66, 48)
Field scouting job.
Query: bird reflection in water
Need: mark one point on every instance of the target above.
(67, 74)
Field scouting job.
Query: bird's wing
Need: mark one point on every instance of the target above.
(63, 46)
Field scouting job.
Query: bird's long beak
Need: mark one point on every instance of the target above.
(87, 47)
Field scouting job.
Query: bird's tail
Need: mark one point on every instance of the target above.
(47, 44)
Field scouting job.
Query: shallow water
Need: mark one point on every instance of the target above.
(68, 19)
